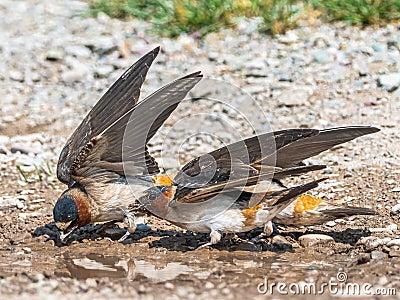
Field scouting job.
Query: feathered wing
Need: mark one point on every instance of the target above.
(120, 150)
(249, 152)
(294, 153)
(269, 156)
(116, 102)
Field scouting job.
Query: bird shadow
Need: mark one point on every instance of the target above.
(174, 240)
(348, 236)
(168, 239)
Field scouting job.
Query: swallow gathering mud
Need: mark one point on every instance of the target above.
(232, 189)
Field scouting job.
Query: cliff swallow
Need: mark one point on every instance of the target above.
(238, 187)
(307, 210)
(99, 171)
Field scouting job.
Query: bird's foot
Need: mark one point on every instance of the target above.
(215, 238)
(131, 228)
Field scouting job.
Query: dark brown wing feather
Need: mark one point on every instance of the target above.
(120, 98)
(250, 152)
(121, 148)
(294, 153)
(288, 147)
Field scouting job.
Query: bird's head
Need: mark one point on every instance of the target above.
(156, 199)
(71, 211)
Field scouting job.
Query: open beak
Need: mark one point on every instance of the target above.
(66, 230)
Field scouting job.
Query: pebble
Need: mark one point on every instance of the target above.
(378, 255)
(79, 72)
(169, 286)
(370, 242)
(103, 71)
(209, 285)
(24, 148)
(395, 242)
(394, 253)
(26, 250)
(392, 227)
(395, 209)
(16, 75)
(390, 81)
(330, 223)
(54, 54)
(309, 240)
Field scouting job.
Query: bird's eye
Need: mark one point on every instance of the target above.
(152, 196)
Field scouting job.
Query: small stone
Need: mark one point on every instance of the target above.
(397, 189)
(321, 56)
(330, 223)
(285, 77)
(279, 239)
(77, 73)
(209, 285)
(169, 286)
(24, 148)
(103, 71)
(26, 250)
(54, 54)
(395, 209)
(19, 238)
(379, 47)
(19, 204)
(370, 242)
(389, 82)
(79, 51)
(392, 227)
(16, 75)
(8, 201)
(308, 240)
(226, 291)
(392, 243)
(378, 255)
(394, 253)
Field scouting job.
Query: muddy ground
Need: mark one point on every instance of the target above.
(161, 260)
(56, 62)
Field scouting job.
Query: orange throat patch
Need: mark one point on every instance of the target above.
(306, 203)
(80, 198)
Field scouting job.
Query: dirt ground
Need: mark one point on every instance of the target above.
(160, 259)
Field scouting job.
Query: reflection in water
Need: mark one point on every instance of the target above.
(94, 265)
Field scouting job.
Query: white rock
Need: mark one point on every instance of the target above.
(389, 81)
(308, 240)
(371, 242)
(395, 242)
(330, 223)
(392, 227)
(395, 209)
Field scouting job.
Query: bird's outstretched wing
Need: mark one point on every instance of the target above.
(120, 150)
(115, 103)
(270, 156)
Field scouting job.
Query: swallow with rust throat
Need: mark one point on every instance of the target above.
(238, 187)
(93, 162)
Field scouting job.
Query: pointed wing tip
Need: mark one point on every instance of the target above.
(374, 129)
(156, 50)
(194, 75)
